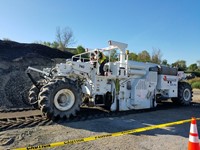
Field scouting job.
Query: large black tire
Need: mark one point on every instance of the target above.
(185, 94)
(60, 98)
(33, 93)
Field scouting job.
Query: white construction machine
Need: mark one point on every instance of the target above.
(126, 84)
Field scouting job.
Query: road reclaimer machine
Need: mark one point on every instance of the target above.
(125, 85)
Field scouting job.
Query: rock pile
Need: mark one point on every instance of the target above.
(14, 60)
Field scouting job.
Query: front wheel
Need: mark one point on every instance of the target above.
(184, 94)
(60, 98)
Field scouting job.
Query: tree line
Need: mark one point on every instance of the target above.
(65, 38)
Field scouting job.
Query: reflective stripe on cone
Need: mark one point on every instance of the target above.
(193, 143)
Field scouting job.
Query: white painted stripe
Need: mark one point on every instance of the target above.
(193, 128)
(193, 139)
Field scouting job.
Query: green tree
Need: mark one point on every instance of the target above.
(6, 39)
(144, 56)
(54, 44)
(113, 55)
(164, 62)
(132, 56)
(180, 64)
(198, 62)
(48, 44)
(80, 49)
(193, 67)
(156, 56)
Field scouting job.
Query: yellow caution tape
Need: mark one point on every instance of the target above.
(92, 138)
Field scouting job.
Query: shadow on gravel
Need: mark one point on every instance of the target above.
(165, 113)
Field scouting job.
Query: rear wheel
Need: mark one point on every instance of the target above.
(184, 94)
(60, 98)
(33, 93)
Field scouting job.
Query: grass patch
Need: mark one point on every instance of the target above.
(195, 83)
(191, 81)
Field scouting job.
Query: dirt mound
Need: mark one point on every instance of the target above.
(14, 60)
(10, 50)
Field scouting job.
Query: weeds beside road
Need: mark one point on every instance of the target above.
(195, 83)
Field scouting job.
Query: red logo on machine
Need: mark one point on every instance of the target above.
(165, 78)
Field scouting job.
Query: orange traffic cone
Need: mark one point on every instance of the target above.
(193, 143)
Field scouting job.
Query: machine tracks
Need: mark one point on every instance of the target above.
(29, 117)
(21, 117)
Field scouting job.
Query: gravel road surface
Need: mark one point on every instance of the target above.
(173, 137)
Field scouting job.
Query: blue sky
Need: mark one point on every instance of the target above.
(173, 26)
